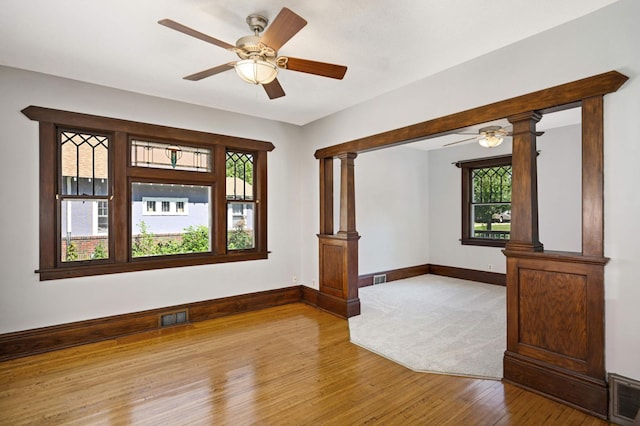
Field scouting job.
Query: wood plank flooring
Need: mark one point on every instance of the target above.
(289, 365)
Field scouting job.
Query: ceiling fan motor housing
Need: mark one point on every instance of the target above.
(257, 23)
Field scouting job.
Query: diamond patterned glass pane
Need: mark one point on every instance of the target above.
(239, 176)
(84, 164)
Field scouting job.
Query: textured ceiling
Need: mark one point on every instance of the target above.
(118, 43)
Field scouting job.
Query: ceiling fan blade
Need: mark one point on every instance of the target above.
(539, 133)
(193, 33)
(209, 72)
(317, 68)
(283, 27)
(273, 89)
(463, 140)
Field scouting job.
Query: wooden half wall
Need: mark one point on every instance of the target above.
(555, 301)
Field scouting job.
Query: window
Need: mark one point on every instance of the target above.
(166, 231)
(240, 205)
(102, 217)
(169, 206)
(120, 196)
(486, 201)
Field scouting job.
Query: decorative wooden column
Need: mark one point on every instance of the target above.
(338, 253)
(524, 186)
(555, 300)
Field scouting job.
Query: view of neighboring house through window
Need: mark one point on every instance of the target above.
(486, 187)
(159, 225)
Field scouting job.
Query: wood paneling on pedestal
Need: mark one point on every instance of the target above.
(339, 267)
(555, 327)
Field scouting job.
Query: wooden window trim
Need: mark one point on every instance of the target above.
(120, 133)
(466, 167)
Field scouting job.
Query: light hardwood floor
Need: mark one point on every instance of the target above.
(289, 365)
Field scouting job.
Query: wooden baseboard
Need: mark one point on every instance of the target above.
(469, 274)
(579, 391)
(46, 339)
(310, 296)
(394, 274)
(445, 271)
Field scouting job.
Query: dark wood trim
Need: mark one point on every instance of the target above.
(219, 245)
(107, 124)
(48, 155)
(469, 274)
(593, 176)
(524, 233)
(555, 326)
(347, 194)
(445, 271)
(338, 280)
(579, 391)
(122, 175)
(395, 274)
(158, 262)
(30, 342)
(119, 205)
(554, 98)
(326, 196)
(310, 296)
(466, 170)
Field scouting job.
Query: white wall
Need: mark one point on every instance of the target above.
(26, 302)
(603, 41)
(391, 209)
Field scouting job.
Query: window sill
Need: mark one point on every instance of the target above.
(483, 242)
(90, 269)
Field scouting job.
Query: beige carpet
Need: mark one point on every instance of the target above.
(435, 324)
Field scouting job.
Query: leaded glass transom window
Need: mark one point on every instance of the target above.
(169, 156)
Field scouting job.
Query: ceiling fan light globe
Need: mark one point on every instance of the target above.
(490, 141)
(256, 71)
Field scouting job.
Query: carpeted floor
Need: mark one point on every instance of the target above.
(435, 324)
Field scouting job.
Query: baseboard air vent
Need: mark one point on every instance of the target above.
(624, 400)
(379, 279)
(173, 318)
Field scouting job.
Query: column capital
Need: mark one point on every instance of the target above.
(347, 156)
(533, 116)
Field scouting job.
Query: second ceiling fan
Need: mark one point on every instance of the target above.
(259, 61)
(488, 137)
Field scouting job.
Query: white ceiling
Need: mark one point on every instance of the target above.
(386, 44)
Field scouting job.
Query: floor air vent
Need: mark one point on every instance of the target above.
(379, 279)
(624, 404)
(174, 318)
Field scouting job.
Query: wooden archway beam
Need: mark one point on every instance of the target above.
(552, 99)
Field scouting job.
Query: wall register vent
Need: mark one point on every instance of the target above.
(379, 279)
(174, 318)
(624, 404)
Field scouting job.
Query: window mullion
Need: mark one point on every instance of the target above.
(119, 203)
(219, 213)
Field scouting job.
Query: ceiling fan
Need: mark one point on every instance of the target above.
(259, 61)
(488, 137)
